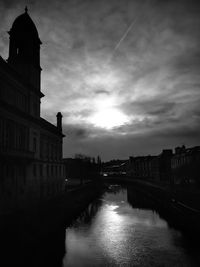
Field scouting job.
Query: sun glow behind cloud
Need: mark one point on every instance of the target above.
(107, 114)
(98, 102)
(109, 118)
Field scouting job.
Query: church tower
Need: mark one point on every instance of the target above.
(24, 50)
(24, 57)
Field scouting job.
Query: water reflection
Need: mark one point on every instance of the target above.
(120, 234)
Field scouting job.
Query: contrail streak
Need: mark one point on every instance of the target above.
(125, 35)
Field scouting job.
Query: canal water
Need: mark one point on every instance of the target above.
(122, 228)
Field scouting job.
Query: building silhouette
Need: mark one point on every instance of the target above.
(157, 168)
(185, 165)
(31, 166)
(179, 168)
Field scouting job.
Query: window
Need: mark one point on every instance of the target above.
(34, 170)
(51, 151)
(47, 170)
(41, 170)
(34, 144)
(52, 170)
(56, 170)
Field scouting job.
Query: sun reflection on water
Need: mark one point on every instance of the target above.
(120, 235)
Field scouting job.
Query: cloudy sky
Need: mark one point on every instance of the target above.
(124, 73)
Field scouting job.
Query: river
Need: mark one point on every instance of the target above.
(122, 228)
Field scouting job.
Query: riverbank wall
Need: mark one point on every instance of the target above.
(31, 237)
(50, 214)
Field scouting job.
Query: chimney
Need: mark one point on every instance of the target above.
(59, 121)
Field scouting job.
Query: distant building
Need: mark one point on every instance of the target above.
(30, 147)
(114, 168)
(82, 168)
(185, 165)
(142, 167)
(151, 167)
(165, 165)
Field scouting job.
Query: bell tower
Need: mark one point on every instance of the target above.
(24, 50)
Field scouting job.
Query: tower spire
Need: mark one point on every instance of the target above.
(24, 49)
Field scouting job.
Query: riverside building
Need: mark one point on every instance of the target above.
(31, 166)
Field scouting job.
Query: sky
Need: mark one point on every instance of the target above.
(124, 73)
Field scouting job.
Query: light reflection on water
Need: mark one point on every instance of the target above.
(119, 235)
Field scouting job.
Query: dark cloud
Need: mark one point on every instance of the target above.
(102, 91)
(78, 44)
(188, 63)
(138, 144)
(11, 3)
(156, 106)
(76, 132)
(162, 108)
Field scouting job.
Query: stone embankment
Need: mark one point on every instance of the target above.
(31, 237)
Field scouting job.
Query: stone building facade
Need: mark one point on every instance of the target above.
(156, 168)
(185, 165)
(31, 165)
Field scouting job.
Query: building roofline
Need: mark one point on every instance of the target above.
(39, 121)
(51, 126)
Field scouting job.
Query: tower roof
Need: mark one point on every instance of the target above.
(23, 27)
